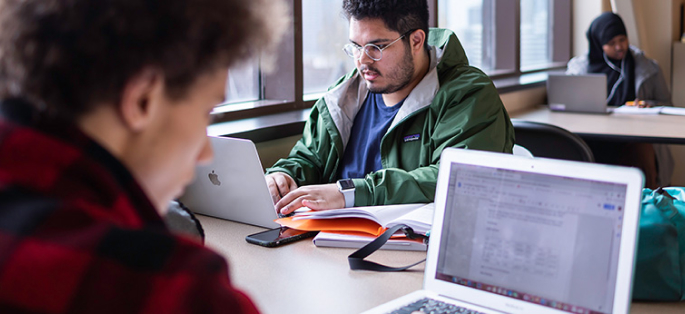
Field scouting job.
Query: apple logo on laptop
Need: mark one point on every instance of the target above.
(214, 178)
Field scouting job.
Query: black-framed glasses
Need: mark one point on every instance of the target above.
(372, 51)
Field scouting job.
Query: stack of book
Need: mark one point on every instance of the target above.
(354, 227)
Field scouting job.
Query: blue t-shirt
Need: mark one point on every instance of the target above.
(362, 154)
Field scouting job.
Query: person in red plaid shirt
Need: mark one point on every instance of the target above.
(103, 119)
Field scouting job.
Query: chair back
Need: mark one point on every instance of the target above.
(551, 141)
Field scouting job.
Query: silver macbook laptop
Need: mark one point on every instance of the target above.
(233, 186)
(513, 234)
(577, 93)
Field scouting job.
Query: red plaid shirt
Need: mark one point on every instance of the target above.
(78, 235)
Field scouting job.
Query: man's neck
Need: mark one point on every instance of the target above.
(102, 126)
(422, 67)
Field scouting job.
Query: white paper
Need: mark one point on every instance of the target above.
(382, 215)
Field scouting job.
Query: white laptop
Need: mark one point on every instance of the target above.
(514, 234)
(233, 186)
(577, 93)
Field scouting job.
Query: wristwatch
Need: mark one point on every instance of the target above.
(346, 187)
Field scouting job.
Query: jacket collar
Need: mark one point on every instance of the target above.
(644, 68)
(54, 158)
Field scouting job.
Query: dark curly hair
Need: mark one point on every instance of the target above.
(399, 15)
(65, 56)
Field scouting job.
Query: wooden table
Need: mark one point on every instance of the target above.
(665, 129)
(302, 278)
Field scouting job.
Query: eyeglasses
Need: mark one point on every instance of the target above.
(372, 51)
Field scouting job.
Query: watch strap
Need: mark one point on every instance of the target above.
(348, 193)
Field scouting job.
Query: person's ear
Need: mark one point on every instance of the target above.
(416, 40)
(140, 98)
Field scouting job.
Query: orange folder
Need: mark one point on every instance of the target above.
(338, 225)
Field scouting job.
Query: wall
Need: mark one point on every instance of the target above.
(584, 11)
(675, 9)
(521, 100)
(678, 79)
(656, 23)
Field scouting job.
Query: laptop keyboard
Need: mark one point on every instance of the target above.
(431, 306)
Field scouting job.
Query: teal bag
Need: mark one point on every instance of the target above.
(660, 262)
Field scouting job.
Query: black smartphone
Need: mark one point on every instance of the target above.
(278, 236)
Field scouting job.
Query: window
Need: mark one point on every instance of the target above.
(324, 33)
(534, 34)
(504, 37)
(468, 20)
(243, 83)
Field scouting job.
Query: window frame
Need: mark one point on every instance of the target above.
(282, 90)
(506, 36)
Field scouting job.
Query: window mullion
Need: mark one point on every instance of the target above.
(560, 36)
(285, 83)
(505, 45)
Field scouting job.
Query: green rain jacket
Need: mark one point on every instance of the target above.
(455, 105)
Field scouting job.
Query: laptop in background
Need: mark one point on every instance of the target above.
(233, 186)
(577, 93)
(513, 234)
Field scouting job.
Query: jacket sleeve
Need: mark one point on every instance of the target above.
(471, 116)
(219, 296)
(578, 65)
(658, 89)
(312, 159)
(199, 282)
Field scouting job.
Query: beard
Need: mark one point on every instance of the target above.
(397, 78)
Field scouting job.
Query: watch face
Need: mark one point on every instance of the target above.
(346, 184)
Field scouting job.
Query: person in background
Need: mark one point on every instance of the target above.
(379, 131)
(631, 76)
(103, 115)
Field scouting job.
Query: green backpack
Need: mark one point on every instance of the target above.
(660, 262)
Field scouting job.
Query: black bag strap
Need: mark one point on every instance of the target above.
(663, 192)
(357, 261)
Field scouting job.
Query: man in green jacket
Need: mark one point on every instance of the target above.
(379, 130)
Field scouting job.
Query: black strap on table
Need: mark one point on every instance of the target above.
(663, 192)
(357, 261)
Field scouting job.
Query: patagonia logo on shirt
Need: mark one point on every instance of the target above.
(412, 137)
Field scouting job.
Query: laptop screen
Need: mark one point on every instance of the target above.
(544, 239)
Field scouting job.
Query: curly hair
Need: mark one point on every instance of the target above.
(398, 15)
(66, 56)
